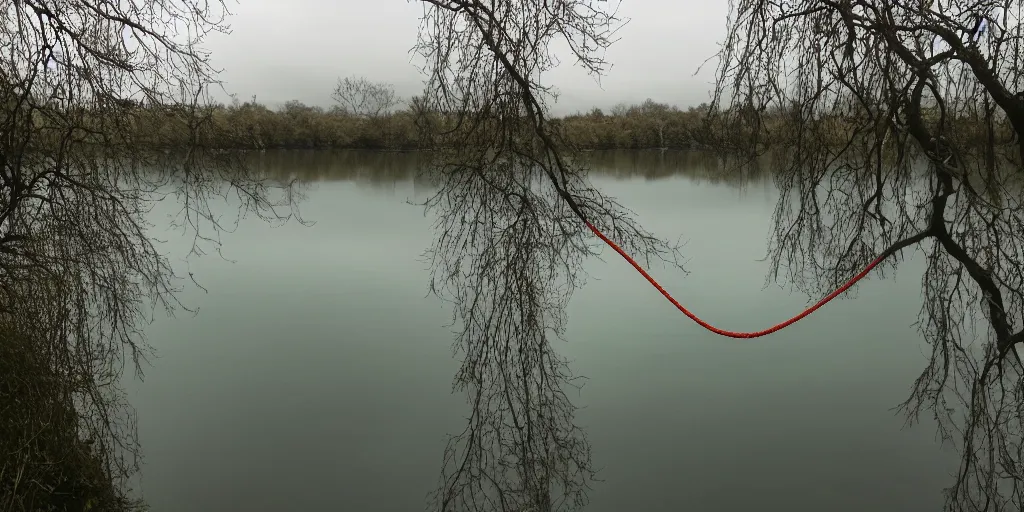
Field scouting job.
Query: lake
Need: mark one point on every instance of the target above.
(317, 372)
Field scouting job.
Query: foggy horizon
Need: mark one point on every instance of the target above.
(278, 52)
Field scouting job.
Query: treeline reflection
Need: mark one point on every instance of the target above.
(386, 168)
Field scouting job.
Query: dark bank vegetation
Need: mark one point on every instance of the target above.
(51, 458)
(79, 274)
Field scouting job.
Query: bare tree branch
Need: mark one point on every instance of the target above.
(511, 198)
(80, 274)
(882, 108)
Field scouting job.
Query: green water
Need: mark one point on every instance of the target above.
(317, 374)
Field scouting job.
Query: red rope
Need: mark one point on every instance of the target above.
(731, 334)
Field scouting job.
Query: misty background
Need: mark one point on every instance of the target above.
(297, 50)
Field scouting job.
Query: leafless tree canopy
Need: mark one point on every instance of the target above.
(360, 97)
(510, 243)
(79, 273)
(899, 125)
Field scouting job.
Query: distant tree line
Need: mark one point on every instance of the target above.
(369, 115)
(390, 123)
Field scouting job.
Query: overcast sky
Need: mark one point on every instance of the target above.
(281, 50)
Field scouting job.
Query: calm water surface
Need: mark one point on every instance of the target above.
(317, 374)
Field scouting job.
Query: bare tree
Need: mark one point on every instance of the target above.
(372, 102)
(620, 110)
(79, 273)
(511, 196)
(360, 97)
(659, 113)
(900, 128)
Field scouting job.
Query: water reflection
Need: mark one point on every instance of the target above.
(382, 169)
(697, 166)
(317, 374)
(373, 168)
(521, 447)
